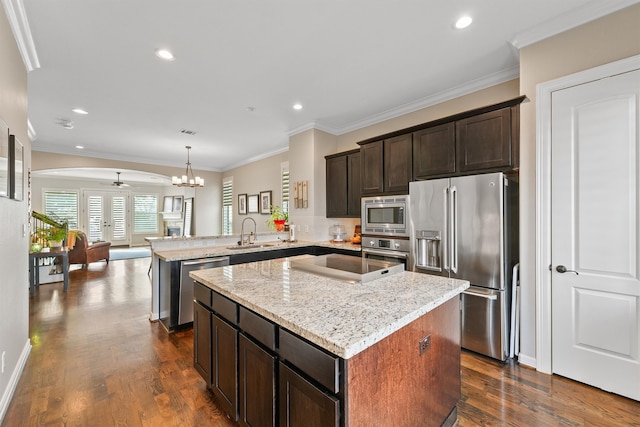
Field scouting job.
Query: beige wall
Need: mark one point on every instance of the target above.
(608, 39)
(14, 242)
(262, 175)
(207, 202)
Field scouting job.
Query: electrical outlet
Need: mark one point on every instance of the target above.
(424, 344)
(3, 354)
(306, 228)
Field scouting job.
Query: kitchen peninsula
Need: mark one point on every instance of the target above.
(280, 346)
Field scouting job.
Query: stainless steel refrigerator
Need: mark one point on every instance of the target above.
(467, 228)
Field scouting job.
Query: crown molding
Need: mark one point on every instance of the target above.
(569, 20)
(456, 92)
(256, 158)
(19, 24)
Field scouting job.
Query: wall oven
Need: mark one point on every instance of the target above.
(385, 216)
(386, 249)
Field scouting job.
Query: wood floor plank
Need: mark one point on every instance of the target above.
(98, 361)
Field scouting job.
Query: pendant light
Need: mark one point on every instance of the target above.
(188, 180)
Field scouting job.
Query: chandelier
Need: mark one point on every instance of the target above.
(188, 180)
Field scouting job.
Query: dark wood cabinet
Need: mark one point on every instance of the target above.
(225, 365)
(354, 184)
(372, 162)
(398, 164)
(202, 319)
(257, 385)
(304, 404)
(343, 185)
(434, 152)
(484, 141)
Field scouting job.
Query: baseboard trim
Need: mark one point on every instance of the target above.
(13, 381)
(523, 359)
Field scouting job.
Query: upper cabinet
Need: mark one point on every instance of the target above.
(343, 184)
(434, 151)
(397, 164)
(372, 168)
(387, 165)
(484, 141)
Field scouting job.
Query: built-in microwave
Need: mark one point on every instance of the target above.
(385, 216)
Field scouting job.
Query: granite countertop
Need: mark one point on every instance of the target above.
(223, 250)
(342, 318)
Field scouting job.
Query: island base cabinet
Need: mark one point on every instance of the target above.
(225, 366)
(304, 405)
(257, 385)
(202, 342)
(394, 383)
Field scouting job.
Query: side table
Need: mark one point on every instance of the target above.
(34, 269)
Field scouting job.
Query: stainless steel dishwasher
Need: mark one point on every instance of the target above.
(185, 306)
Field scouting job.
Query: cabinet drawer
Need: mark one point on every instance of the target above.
(202, 294)
(226, 308)
(258, 327)
(318, 364)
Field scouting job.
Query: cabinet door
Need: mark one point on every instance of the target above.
(303, 404)
(397, 164)
(434, 151)
(372, 168)
(257, 385)
(225, 366)
(354, 185)
(202, 341)
(336, 186)
(484, 141)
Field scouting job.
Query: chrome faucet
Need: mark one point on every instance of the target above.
(242, 240)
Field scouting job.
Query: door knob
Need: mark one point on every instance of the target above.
(563, 269)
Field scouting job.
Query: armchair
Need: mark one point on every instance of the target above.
(84, 253)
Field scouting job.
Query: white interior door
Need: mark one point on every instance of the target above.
(106, 216)
(595, 196)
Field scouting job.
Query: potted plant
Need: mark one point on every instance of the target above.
(54, 236)
(278, 218)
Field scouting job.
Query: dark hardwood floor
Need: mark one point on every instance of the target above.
(98, 361)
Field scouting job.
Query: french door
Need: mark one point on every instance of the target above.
(106, 216)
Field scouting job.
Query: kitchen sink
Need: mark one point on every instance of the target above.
(253, 246)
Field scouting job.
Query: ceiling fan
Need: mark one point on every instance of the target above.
(118, 183)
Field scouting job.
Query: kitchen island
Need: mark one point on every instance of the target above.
(385, 352)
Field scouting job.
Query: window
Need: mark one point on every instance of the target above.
(62, 206)
(227, 207)
(285, 186)
(145, 213)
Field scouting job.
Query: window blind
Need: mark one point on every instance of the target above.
(285, 189)
(145, 213)
(62, 206)
(227, 207)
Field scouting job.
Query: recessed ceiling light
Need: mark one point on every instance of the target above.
(80, 147)
(165, 54)
(297, 106)
(463, 22)
(80, 111)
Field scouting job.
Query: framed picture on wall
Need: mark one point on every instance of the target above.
(4, 159)
(177, 203)
(252, 203)
(242, 204)
(16, 175)
(265, 202)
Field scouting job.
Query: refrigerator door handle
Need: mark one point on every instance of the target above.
(453, 224)
(445, 240)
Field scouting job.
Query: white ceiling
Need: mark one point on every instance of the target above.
(349, 63)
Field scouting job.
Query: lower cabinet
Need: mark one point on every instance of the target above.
(304, 404)
(225, 366)
(255, 382)
(257, 385)
(202, 319)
